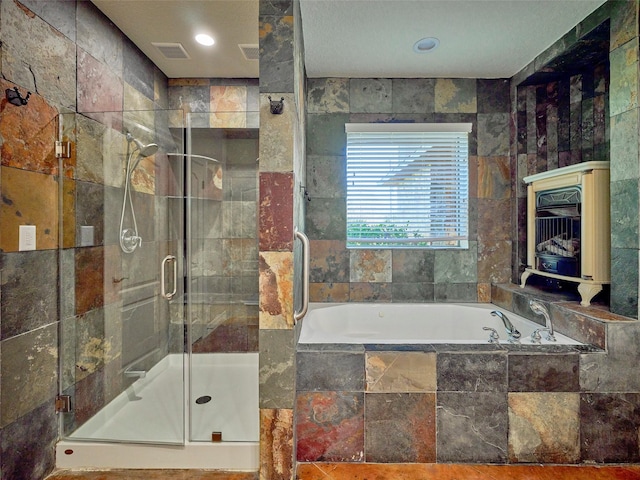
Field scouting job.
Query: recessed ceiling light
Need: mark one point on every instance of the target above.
(425, 45)
(204, 39)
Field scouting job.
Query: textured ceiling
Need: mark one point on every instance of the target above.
(356, 38)
(478, 38)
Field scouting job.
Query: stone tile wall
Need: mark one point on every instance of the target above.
(340, 275)
(216, 102)
(561, 116)
(281, 161)
(625, 176)
(224, 210)
(77, 66)
(602, 125)
(608, 387)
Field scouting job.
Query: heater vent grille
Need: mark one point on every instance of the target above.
(173, 51)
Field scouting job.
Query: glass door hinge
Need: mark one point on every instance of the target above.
(63, 149)
(63, 403)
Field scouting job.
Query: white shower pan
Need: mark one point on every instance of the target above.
(136, 429)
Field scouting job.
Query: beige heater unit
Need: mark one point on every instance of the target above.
(568, 227)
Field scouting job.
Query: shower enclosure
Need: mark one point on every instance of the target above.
(158, 292)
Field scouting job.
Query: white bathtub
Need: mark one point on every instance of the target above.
(423, 323)
(147, 426)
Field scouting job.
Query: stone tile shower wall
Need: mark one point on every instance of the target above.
(75, 62)
(224, 211)
(216, 102)
(341, 275)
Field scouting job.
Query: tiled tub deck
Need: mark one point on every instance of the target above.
(467, 403)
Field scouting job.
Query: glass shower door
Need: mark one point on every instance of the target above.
(221, 216)
(122, 297)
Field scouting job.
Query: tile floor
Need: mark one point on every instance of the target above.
(345, 471)
(432, 471)
(150, 475)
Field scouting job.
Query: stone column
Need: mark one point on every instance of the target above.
(280, 136)
(625, 166)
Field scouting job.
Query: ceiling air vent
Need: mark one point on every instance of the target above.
(250, 52)
(173, 51)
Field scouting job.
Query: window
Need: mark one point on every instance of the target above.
(407, 185)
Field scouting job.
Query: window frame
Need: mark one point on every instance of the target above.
(360, 135)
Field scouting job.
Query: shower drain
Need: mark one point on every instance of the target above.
(203, 399)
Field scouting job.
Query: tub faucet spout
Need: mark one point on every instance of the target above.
(135, 373)
(511, 330)
(539, 309)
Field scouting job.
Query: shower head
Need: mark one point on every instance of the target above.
(146, 150)
(143, 150)
(537, 308)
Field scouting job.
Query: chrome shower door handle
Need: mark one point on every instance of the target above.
(163, 280)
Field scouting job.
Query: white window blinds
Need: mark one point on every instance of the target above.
(407, 185)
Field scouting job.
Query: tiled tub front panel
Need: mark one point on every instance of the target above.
(468, 404)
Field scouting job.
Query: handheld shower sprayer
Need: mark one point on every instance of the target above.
(129, 238)
(539, 309)
(143, 150)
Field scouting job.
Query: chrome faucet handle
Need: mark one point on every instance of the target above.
(536, 337)
(493, 336)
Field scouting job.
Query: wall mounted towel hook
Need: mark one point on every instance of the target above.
(276, 106)
(14, 97)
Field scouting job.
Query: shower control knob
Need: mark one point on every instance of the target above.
(129, 240)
